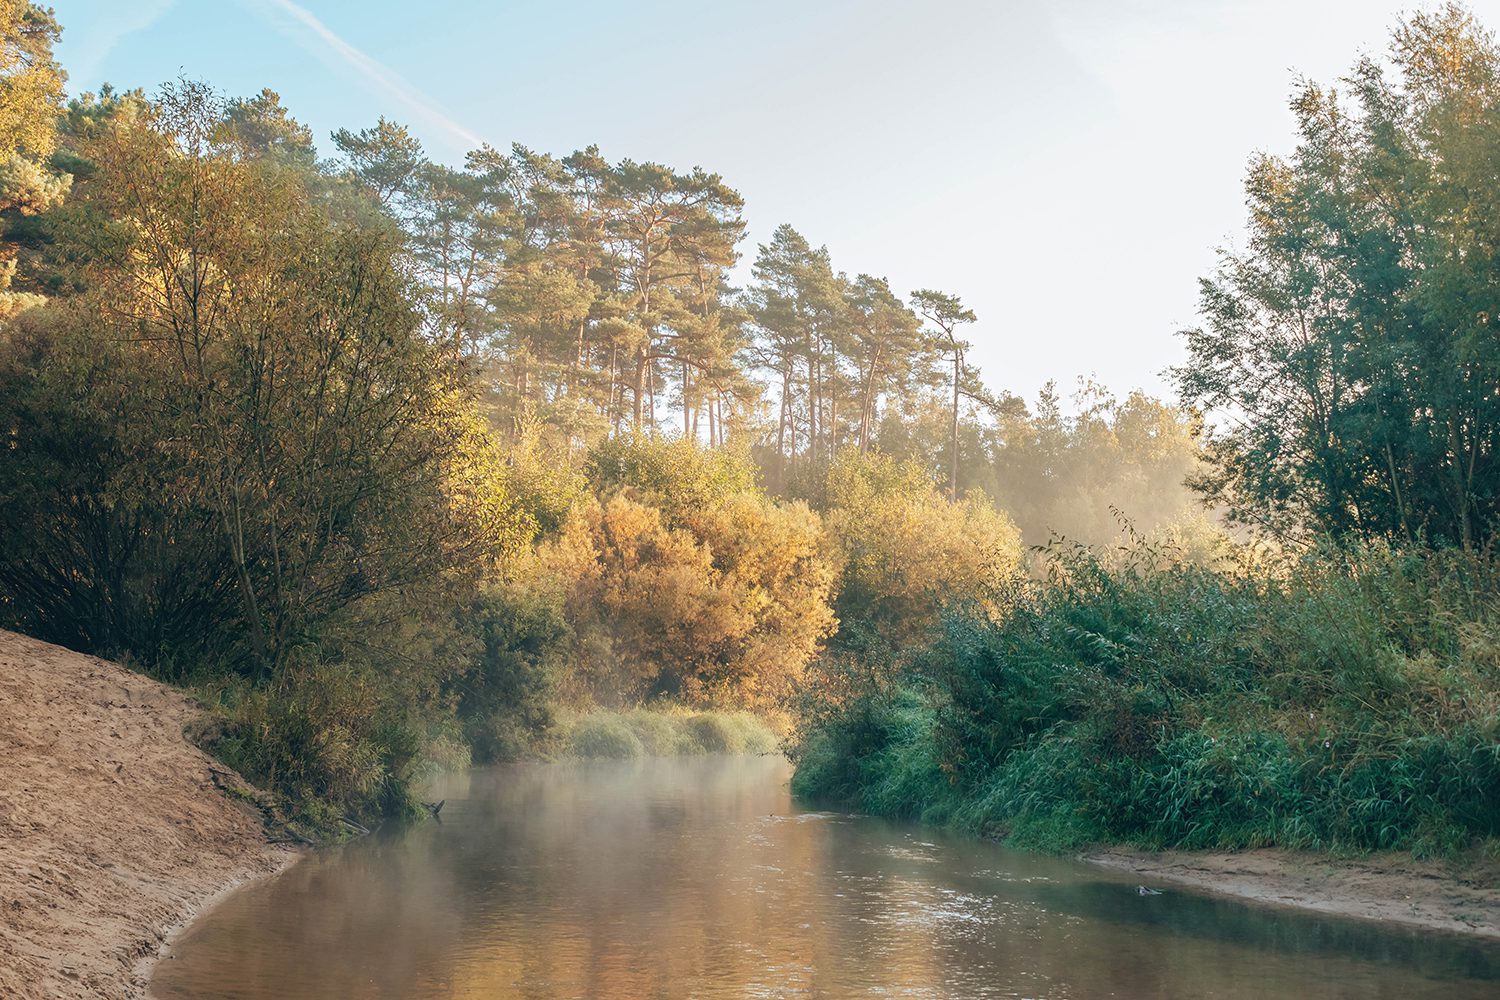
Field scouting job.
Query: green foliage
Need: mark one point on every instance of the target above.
(31, 95)
(603, 736)
(229, 452)
(504, 698)
(292, 439)
(1354, 342)
(677, 475)
(1336, 703)
(545, 488)
(326, 736)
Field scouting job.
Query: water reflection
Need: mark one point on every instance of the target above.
(699, 878)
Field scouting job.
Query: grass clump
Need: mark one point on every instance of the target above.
(604, 736)
(1349, 703)
(666, 732)
(329, 741)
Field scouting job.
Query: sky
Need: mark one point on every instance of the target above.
(1068, 168)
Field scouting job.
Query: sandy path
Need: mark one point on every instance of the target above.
(1462, 897)
(111, 829)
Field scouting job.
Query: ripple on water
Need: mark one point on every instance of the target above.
(700, 878)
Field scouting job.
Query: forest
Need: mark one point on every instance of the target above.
(400, 465)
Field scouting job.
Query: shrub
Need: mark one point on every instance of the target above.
(504, 695)
(683, 581)
(604, 736)
(712, 733)
(324, 737)
(906, 552)
(1348, 701)
(666, 732)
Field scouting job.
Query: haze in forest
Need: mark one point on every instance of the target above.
(1070, 167)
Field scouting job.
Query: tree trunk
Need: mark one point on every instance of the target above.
(953, 441)
(639, 390)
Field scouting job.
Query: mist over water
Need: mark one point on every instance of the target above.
(699, 877)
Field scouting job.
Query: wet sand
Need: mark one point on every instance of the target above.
(112, 830)
(1462, 896)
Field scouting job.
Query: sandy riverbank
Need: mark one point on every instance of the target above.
(112, 831)
(1462, 897)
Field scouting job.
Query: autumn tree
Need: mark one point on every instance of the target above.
(682, 579)
(906, 552)
(309, 444)
(31, 97)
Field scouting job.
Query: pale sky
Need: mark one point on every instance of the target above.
(1067, 168)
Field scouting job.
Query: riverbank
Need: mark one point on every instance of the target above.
(113, 830)
(1462, 897)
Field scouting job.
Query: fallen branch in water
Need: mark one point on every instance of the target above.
(356, 827)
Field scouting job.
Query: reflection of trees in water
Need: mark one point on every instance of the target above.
(693, 877)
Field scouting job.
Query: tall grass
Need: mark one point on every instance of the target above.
(665, 732)
(1348, 702)
(330, 741)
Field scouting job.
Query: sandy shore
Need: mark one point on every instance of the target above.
(112, 831)
(1461, 897)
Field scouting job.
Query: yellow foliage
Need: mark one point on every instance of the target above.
(907, 551)
(31, 85)
(730, 606)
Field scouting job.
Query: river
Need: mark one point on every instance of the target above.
(699, 877)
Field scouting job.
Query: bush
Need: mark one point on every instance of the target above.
(604, 736)
(683, 581)
(325, 738)
(504, 697)
(667, 732)
(1347, 702)
(713, 734)
(906, 552)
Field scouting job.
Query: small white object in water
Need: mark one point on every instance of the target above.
(1145, 891)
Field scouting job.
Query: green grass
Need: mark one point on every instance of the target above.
(1346, 703)
(667, 732)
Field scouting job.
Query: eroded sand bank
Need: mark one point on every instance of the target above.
(112, 831)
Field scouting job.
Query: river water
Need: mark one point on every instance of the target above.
(699, 877)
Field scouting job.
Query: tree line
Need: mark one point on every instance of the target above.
(594, 300)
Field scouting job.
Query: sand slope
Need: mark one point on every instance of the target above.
(111, 828)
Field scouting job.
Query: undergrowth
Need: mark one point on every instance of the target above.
(1347, 703)
(664, 732)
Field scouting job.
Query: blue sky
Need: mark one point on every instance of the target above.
(1067, 168)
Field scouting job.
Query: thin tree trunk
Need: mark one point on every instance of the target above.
(953, 441)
